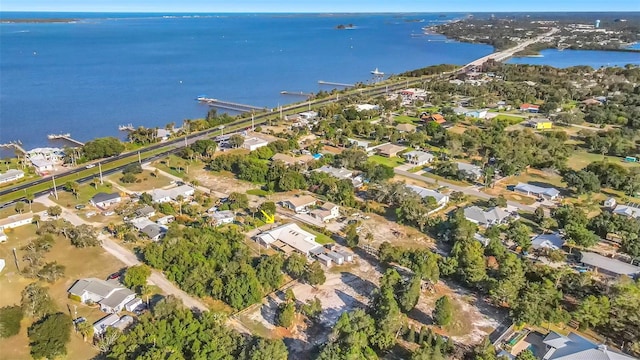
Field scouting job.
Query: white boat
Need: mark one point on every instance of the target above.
(377, 72)
(58, 136)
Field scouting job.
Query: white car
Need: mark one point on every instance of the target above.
(90, 166)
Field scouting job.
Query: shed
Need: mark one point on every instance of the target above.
(133, 304)
(337, 258)
(324, 260)
(610, 203)
(348, 257)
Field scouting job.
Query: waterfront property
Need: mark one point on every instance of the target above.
(104, 200)
(290, 238)
(109, 295)
(576, 347)
(608, 266)
(490, 217)
(11, 175)
(45, 159)
(537, 191)
(418, 158)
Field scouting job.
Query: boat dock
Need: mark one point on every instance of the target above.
(322, 82)
(66, 137)
(229, 105)
(297, 93)
(128, 127)
(17, 145)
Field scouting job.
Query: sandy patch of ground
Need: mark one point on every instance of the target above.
(222, 182)
(397, 234)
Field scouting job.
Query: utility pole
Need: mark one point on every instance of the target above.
(55, 189)
(15, 258)
(252, 122)
(100, 170)
(140, 159)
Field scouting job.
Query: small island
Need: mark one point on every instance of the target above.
(345, 27)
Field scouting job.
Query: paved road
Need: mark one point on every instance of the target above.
(128, 258)
(469, 190)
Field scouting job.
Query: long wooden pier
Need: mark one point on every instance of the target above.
(66, 137)
(322, 82)
(16, 145)
(229, 105)
(296, 93)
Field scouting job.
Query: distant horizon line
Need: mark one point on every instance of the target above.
(325, 12)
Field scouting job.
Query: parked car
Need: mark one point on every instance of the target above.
(90, 166)
(79, 320)
(80, 207)
(115, 275)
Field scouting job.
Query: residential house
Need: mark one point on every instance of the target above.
(608, 266)
(11, 175)
(163, 134)
(441, 199)
(327, 211)
(540, 123)
(389, 150)
(477, 114)
(152, 230)
(111, 296)
(224, 217)
(134, 305)
(538, 191)
(481, 239)
(165, 220)
(438, 118)
(124, 323)
(299, 204)
(548, 241)
(418, 158)
(291, 160)
(490, 217)
(103, 200)
(45, 159)
(610, 203)
(456, 82)
(342, 174)
(168, 195)
(576, 347)
(14, 221)
(308, 115)
(146, 211)
(253, 143)
(406, 128)
(471, 172)
(529, 108)
(366, 107)
(590, 102)
(362, 144)
(100, 326)
(290, 238)
(627, 210)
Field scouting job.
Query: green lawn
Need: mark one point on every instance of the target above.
(257, 192)
(86, 192)
(392, 162)
(148, 180)
(512, 120)
(403, 119)
(320, 237)
(443, 179)
(580, 160)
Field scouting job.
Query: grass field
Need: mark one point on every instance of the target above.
(35, 207)
(443, 179)
(580, 160)
(403, 119)
(392, 162)
(148, 181)
(512, 120)
(86, 192)
(257, 192)
(320, 238)
(79, 263)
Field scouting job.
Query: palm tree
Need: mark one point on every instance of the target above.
(29, 197)
(85, 329)
(180, 199)
(36, 219)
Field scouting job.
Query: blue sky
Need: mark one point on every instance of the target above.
(317, 5)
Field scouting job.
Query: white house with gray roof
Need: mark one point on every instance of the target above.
(608, 265)
(628, 211)
(168, 195)
(440, 198)
(490, 217)
(472, 172)
(110, 295)
(289, 238)
(538, 191)
(418, 158)
(576, 347)
(11, 175)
